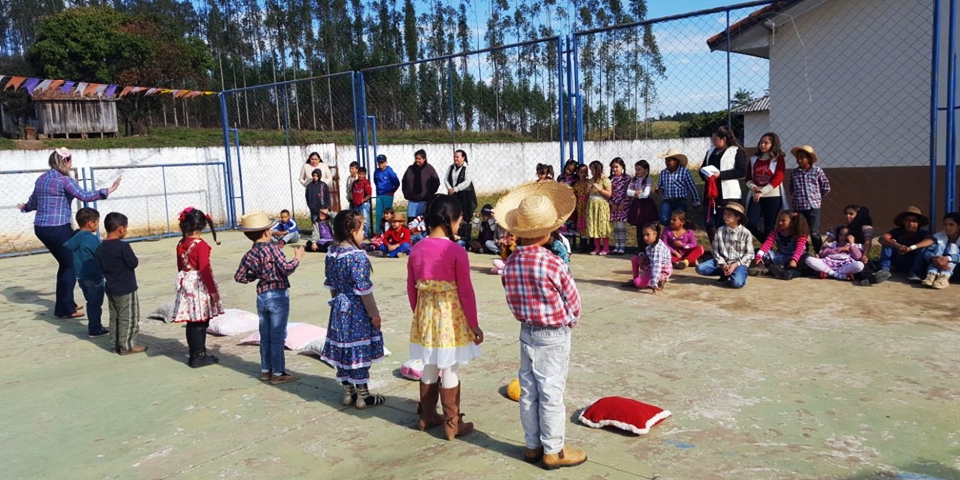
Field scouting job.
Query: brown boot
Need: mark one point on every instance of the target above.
(133, 349)
(453, 426)
(564, 458)
(427, 408)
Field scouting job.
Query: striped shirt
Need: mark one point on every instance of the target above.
(51, 197)
(540, 290)
(677, 185)
(265, 263)
(807, 188)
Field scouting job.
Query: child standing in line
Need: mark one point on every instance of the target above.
(265, 263)
(642, 209)
(444, 333)
(764, 181)
(543, 297)
(286, 231)
(581, 189)
(354, 176)
(507, 245)
(84, 246)
(198, 299)
(732, 248)
(396, 241)
(619, 203)
(840, 259)
(790, 239)
(354, 340)
(118, 262)
(943, 255)
(675, 185)
(544, 172)
(651, 267)
(598, 209)
(361, 193)
(682, 241)
(808, 186)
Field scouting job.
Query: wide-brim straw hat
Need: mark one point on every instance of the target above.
(911, 210)
(536, 209)
(674, 153)
(255, 222)
(735, 207)
(808, 150)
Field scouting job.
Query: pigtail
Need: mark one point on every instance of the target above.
(798, 224)
(212, 229)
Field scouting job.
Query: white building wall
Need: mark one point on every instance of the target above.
(754, 125)
(852, 79)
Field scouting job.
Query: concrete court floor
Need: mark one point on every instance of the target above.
(799, 380)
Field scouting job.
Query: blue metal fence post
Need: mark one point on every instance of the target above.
(363, 114)
(729, 114)
(356, 114)
(453, 109)
(225, 121)
(286, 135)
(951, 157)
(934, 113)
(560, 100)
(579, 98)
(166, 198)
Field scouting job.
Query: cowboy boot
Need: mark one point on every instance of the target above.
(453, 425)
(427, 408)
(349, 394)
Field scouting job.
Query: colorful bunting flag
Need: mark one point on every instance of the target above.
(67, 87)
(30, 85)
(111, 90)
(15, 82)
(83, 89)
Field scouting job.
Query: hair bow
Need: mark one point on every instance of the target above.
(63, 152)
(183, 214)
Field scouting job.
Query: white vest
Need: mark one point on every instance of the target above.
(729, 189)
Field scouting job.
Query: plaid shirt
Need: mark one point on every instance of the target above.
(807, 188)
(540, 290)
(659, 257)
(51, 197)
(677, 185)
(265, 262)
(733, 245)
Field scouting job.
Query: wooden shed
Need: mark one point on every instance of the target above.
(69, 116)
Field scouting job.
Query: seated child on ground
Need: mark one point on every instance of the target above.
(903, 246)
(507, 245)
(790, 240)
(418, 229)
(488, 233)
(651, 267)
(841, 259)
(560, 246)
(681, 240)
(942, 256)
(286, 230)
(732, 248)
(396, 241)
(387, 217)
(324, 235)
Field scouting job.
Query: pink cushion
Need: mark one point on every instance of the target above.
(623, 413)
(298, 335)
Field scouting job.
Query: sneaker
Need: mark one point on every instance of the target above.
(723, 278)
(98, 333)
(135, 349)
(928, 281)
(401, 255)
(265, 376)
(285, 377)
(880, 277)
(913, 277)
(942, 281)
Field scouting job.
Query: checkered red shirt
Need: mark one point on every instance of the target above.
(540, 290)
(266, 263)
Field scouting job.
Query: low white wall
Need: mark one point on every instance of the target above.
(270, 176)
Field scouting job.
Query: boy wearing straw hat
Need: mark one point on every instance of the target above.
(266, 264)
(542, 295)
(904, 245)
(674, 185)
(808, 186)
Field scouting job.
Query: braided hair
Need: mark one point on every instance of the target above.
(192, 220)
(442, 211)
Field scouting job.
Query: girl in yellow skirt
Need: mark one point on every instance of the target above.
(444, 333)
(598, 209)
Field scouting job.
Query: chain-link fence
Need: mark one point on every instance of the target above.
(304, 116)
(18, 237)
(499, 105)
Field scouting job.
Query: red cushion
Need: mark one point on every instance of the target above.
(623, 413)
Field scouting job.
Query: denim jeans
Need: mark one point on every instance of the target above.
(273, 306)
(544, 362)
(710, 268)
(93, 294)
(669, 206)
(768, 208)
(415, 209)
(403, 248)
(364, 209)
(813, 221)
(911, 262)
(53, 238)
(383, 202)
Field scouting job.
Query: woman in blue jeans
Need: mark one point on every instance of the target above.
(52, 194)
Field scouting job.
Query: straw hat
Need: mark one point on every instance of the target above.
(535, 209)
(911, 210)
(809, 151)
(674, 153)
(738, 209)
(255, 222)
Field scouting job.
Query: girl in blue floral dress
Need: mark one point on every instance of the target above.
(354, 340)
